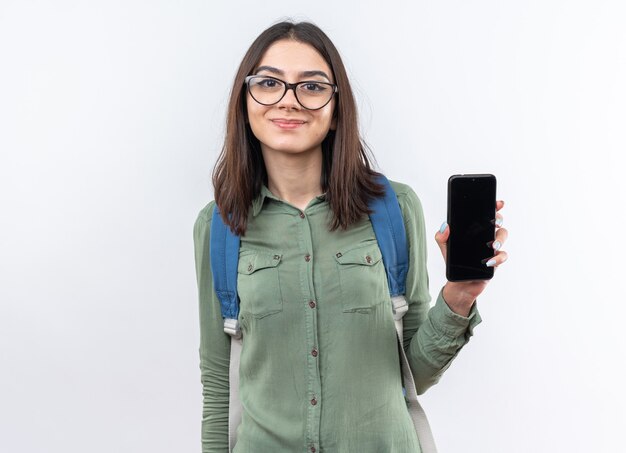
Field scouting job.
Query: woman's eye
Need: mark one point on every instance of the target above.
(268, 83)
(309, 86)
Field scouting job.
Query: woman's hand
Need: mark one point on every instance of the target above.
(460, 296)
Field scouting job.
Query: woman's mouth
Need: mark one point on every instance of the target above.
(288, 124)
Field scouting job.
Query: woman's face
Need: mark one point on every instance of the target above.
(287, 127)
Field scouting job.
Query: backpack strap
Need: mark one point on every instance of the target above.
(224, 250)
(418, 416)
(388, 225)
(224, 259)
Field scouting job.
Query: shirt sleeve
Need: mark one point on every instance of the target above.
(214, 344)
(432, 336)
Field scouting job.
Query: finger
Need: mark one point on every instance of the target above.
(441, 237)
(498, 220)
(499, 258)
(501, 235)
(499, 204)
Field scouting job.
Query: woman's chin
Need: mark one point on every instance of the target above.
(290, 149)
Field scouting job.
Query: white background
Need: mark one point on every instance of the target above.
(111, 118)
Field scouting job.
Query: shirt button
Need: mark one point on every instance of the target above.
(250, 267)
(368, 259)
(312, 303)
(314, 352)
(312, 449)
(307, 257)
(301, 215)
(313, 401)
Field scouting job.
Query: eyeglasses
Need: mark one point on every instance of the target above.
(310, 94)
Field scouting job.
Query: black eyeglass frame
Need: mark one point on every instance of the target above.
(290, 86)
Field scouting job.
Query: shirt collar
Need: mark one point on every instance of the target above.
(259, 201)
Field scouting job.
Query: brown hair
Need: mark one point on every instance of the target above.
(347, 174)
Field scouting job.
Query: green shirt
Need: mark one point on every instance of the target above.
(319, 364)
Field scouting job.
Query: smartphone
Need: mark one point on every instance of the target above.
(471, 217)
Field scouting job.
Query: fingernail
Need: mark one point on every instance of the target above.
(491, 262)
(443, 227)
(497, 245)
(499, 221)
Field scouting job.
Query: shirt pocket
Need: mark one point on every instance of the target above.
(362, 278)
(258, 283)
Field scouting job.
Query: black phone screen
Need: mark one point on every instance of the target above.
(471, 216)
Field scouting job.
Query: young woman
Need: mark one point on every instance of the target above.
(319, 368)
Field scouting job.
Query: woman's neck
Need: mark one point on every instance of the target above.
(294, 178)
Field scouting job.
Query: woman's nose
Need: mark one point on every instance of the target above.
(289, 99)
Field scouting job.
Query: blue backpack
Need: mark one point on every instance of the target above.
(388, 225)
